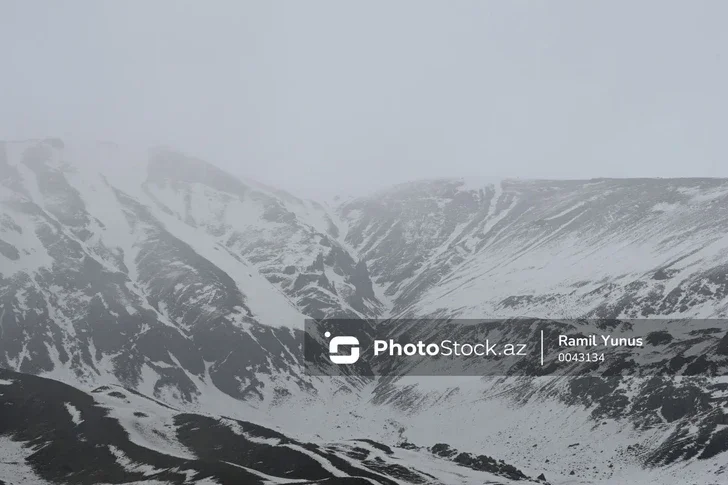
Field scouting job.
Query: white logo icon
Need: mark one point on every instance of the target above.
(334, 345)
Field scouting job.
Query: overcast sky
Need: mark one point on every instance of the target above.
(336, 95)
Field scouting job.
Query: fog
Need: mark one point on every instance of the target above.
(323, 96)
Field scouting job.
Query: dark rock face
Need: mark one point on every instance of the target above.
(659, 338)
(9, 251)
(723, 346)
(93, 446)
(479, 462)
(34, 411)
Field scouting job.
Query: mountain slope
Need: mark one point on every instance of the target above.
(605, 247)
(56, 431)
(647, 248)
(101, 283)
(292, 242)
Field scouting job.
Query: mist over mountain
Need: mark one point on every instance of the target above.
(154, 295)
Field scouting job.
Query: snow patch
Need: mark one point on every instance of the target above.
(75, 413)
(14, 469)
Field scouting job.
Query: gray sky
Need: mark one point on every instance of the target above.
(353, 95)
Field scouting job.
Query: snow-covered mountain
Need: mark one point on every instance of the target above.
(161, 273)
(109, 271)
(604, 247)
